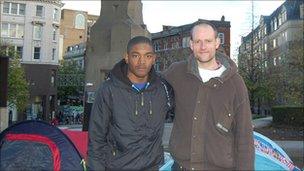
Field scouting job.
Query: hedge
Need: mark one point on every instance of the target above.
(290, 115)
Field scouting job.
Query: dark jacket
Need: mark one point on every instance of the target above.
(212, 126)
(126, 125)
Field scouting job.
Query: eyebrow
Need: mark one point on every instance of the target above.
(148, 53)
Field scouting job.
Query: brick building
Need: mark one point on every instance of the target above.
(75, 28)
(172, 44)
(270, 57)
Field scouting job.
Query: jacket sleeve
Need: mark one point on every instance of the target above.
(98, 129)
(244, 135)
(169, 97)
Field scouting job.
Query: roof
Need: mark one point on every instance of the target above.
(174, 30)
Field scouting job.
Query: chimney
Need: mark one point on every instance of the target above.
(223, 18)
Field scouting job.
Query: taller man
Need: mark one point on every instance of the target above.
(212, 128)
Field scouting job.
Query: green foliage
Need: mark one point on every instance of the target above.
(290, 115)
(18, 90)
(287, 81)
(279, 84)
(253, 73)
(71, 71)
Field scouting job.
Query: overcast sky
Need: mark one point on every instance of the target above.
(175, 13)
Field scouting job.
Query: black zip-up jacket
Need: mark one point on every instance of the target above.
(126, 125)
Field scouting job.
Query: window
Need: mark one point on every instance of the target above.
(54, 33)
(165, 46)
(20, 31)
(280, 19)
(21, 9)
(275, 24)
(186, 41)
(79, 21)
(260, 48)
(274, 42)
(4, 30)
(302, 11)
(39, 11)
(274, 61)
(265, 30)
(53, 74)
(221, 37)
(13, 8)
(19, 51)
(286, 35)
(156, 47)
(284, 16)
(265, 63)
(37, 52)
(53, 53)
(12, 30)
(56, 14)
(6, 7)
(175, 45)
(37, 32)
(265, 47)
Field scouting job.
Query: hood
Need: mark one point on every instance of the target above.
(120, 71)
(231, 68)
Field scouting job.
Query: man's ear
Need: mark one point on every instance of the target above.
(155, 57)
(218, 42)
(191, 44)
(126, 57)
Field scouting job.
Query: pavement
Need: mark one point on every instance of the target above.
(294, 149)
(262, 122)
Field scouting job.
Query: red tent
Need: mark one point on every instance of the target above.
(80, 140)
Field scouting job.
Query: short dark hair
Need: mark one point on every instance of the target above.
(203, 22)
(138, 39)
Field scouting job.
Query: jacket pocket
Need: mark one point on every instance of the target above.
(220, 147)
(223, 122)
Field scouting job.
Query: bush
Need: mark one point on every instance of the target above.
(290, 115)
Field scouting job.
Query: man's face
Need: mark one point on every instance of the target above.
(140, 60)
(204, 44)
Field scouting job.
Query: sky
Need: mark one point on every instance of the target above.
(176, 13)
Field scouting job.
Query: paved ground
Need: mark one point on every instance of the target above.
(262, 122)
(294, 149)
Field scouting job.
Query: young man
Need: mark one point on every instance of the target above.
(212, 127)
(127, 119)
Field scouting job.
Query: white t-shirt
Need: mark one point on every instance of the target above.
(206, 74)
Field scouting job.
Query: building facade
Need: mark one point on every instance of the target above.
(75, 28)
(271, 58)
(172, 44)
(32, 28)
(75, 54)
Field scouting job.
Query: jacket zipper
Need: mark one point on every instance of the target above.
(142, 98)
(136, 111)
(150, 111)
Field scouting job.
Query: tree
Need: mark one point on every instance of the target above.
(71, 81)
(18, 90)
(252, 69)
(286, 79)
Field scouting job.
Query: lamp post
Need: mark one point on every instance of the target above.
(87, 103)
(3, 95)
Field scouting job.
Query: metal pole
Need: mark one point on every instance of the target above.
(4, 89)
